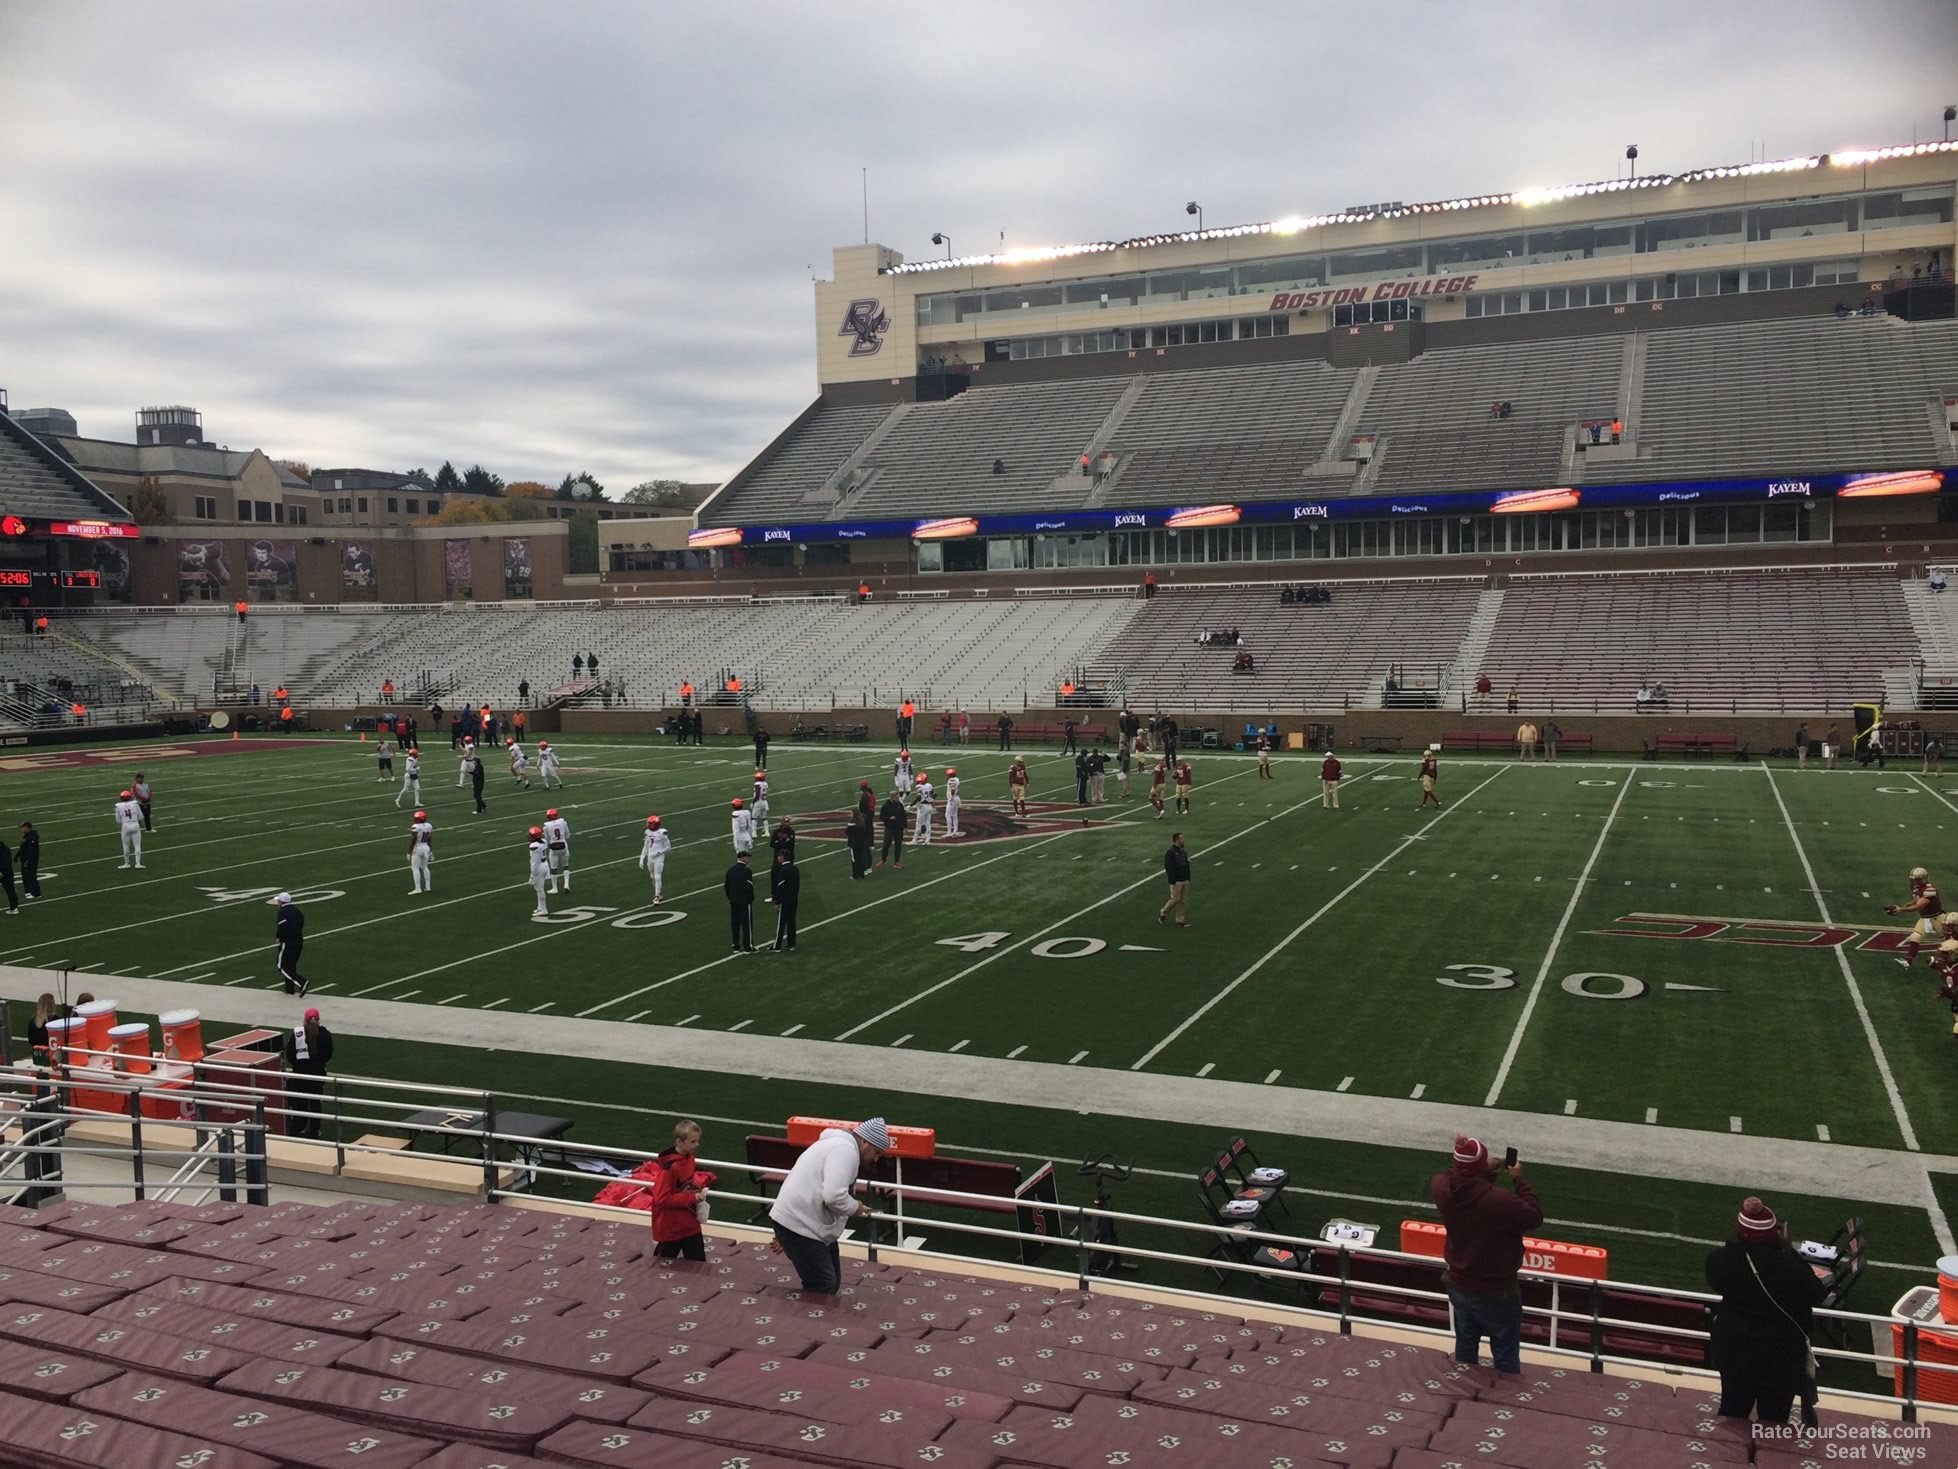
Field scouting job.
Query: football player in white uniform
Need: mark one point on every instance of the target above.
(540, 869)
(902, 770)
(468, 761)
(744, 828)
(129, 821)
(519, 765)
(411, 778)
(760, 805)
(421, 853)
(557, 836)
(547, 764)
(652, 856)
(951, 801)
(922, 803)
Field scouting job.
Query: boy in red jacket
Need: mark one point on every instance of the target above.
(679, 1197)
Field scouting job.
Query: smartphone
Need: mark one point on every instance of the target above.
(1509, 1158)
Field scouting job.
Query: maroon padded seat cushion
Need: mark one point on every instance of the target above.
(1290, 1407)
(130, 1225)
(204, 1213)
(602, 1402)
(615, 1352)
(790, 1385)
(31, 1287)
(293, 1309)
(915, 1360)
(475, 1456)
(613, 1447)
(1089, 1371)
(423, 1298)
(232, 1241)
(134, 1347)
(1577, 1393)
(281, 1431)
(897, 1442)
(57, 1436)
(1020, 1334)
(1490, 1430)
(105, 1262)
(46, 1372)
(273, 1340)
(1346, 1431)
(1030, 1435)
(1354, 1367)
(497, 1418)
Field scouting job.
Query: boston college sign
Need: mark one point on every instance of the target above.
(1431, 285)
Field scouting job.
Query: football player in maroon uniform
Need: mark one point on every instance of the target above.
(1924, 907)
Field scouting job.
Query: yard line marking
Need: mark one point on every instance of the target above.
(1821, 1132)
(1651, 1114)
(1938, 1221)
(1273, 1077)
(740, 1025)
(1206, 1068)
(1733, 1124)
(958, 1045)
(1344, 1084)
(1570, 1106)
(494, 1003)
(1550, 955)
(1323, 909)
(453, 998)
(902, 1039)
(409, 995)
(1415, 1095)
(790, 1031)
(1076, 1057)
(1014, 1052)
(688, 1021)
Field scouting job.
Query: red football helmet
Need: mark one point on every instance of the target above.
(761, 775)
(737, 803)
(551, 815)
(421, 816)
(126, 796)
(652, 821)
(543, 744)
(536, 832)
(950, 770)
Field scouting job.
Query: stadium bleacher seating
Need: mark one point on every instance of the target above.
(1325, 656)
(1810, 393)
(422, 1336)
(775, 487)
(37, 484)
(1799, 640)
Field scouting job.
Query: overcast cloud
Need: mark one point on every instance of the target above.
(553, 237)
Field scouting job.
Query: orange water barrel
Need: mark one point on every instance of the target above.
(183, 1035)
(63, 1034)
(98, 1018)
(131, 1045)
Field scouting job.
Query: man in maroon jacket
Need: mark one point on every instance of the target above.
(1486, 1225)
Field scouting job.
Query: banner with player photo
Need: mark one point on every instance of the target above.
(272, 569)
(516, 567)
(111, 563)
(455, 563)
(203, 575)
(357, 567)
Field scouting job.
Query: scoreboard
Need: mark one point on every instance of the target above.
(21, 578)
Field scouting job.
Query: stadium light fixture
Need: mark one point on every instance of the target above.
(939, 237)
(1197, 209)
(1950, 116)
(1631, 157)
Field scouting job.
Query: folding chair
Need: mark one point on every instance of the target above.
(1232, 1216)
(1271, 1181)
(1842, 1273)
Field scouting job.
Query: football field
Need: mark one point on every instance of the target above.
(1693, 946)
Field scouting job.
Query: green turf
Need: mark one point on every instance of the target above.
(1318, 946)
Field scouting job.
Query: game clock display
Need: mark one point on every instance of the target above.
(12, 578)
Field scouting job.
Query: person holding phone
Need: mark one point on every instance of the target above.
(1486, 1224)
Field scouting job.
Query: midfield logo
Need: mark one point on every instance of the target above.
(1866, 938)
(977, 823)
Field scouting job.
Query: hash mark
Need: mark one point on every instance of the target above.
(958, 1046)
(453, 998)
(494, 1003)
(1651, 1114)
(741, 1025)
(1345, 1082)
(1014, 1052)
(1273, 1077)
(1415, 1095)
(1076, 1057)
(902, 1039)
(631, 1019)
(1821, 1132)
(688, 1021)
(793, 1028)
(407, 994)
(537, 1009)
(1570, 1106)
(1733, 1124)
(1206, 1068)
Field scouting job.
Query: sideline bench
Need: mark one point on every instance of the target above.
(1478, 739)
(1697, 745)
(1091, 734)
(826, 732)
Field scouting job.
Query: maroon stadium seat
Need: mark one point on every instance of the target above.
(280, 1431)
(896, 1441)
(494, 1418)
(602, 1402)
(45, 1372)
(55, 1436)
(134, 1347)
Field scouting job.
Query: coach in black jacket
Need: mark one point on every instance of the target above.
(786, 882)
(291, 934)
(739, 885)
(29, 855)
(893, 818)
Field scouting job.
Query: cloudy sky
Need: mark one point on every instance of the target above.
(561, 236)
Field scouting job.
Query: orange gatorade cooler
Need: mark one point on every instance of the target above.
(63, 1034)
(131, 1045)
(183, 1035)
(98, 1019)
(1937, 1350)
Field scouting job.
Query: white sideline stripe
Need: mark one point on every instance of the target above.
(1039, 934)
(1940, 1225)
(1550, 955)
(1323, 909)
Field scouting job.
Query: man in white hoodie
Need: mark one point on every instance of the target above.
(815, 1203)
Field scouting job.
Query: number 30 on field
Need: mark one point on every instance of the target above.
(1589, 985)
